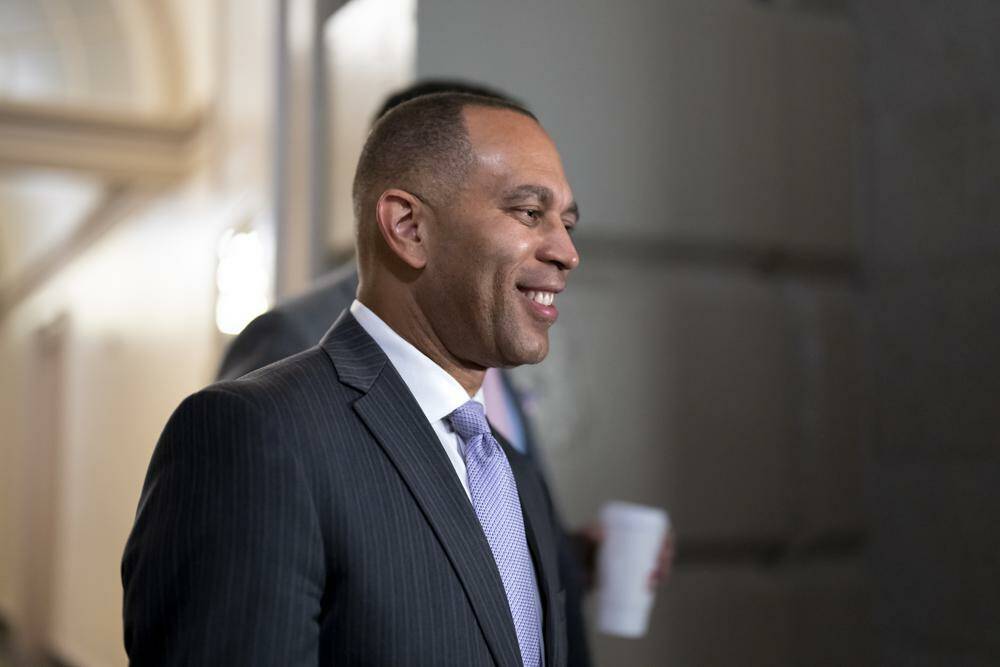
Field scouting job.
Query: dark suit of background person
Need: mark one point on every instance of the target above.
(297, 324)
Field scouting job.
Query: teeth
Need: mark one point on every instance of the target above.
(544, 298)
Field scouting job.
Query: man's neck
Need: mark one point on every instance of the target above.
(411, 325)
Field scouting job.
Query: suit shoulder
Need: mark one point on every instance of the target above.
(292, 383)
(253, 398)
(215, 398)
(268, 413)
(216, 413)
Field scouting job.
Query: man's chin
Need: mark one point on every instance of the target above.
(527, 353)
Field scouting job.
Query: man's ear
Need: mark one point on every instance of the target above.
(399, 215)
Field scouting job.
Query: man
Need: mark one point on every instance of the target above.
(298, 324)
(349, 504)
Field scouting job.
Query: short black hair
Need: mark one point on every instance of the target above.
(432, 86)
(421, 146)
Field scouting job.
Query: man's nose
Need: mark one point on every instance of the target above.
(558, 248)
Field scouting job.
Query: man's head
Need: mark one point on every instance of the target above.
(463, 214)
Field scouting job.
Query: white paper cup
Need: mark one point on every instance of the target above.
(633, 537)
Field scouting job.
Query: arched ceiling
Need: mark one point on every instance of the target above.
(150, 56)
(116, 78)
(72, 52)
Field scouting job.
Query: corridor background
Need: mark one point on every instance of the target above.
(783, 329)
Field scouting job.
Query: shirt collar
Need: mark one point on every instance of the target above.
(438, 394)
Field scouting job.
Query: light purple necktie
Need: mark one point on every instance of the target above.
(495, 500)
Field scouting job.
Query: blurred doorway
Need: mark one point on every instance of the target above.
(43, 472)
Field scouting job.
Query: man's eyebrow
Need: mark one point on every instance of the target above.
(540, 192)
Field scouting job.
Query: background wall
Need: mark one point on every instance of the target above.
(930, 204)
(135, 339)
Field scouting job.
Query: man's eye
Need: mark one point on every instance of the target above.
(532, 214)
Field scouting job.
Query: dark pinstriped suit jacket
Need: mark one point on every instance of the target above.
(307, 514)
(297, 324)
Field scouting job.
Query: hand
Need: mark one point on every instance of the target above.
(664, 562)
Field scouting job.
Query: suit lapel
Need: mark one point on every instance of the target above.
(538, 530)
(394, 418)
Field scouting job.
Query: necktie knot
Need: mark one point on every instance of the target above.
(469, 420)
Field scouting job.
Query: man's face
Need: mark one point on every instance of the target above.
(500, 250)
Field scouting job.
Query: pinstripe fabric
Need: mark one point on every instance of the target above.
(305, 514)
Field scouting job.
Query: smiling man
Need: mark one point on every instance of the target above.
(350, 504)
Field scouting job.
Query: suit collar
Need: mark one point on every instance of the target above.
(357, 358)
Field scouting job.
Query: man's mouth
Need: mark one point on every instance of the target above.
(541, 302)
(542, 297)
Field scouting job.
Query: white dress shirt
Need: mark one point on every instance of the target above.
(438, 394)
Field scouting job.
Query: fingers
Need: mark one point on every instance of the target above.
(664, 562)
